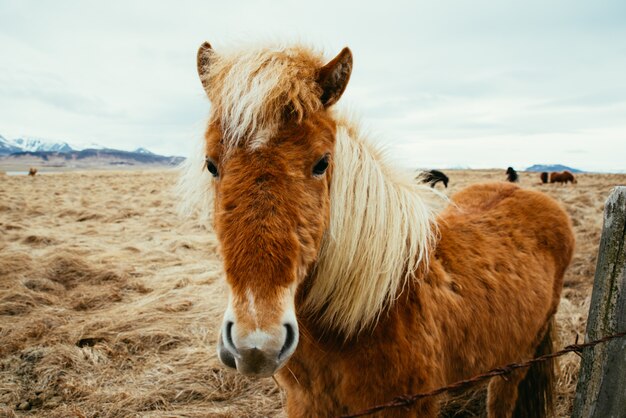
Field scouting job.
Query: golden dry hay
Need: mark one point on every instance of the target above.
(110, 303)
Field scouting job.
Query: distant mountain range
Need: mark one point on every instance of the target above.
(38, 151)
(31, 144)
(552, 167)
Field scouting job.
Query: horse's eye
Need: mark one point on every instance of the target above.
(210, 165)
(321, 166)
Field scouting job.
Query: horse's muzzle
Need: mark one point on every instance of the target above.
(255, 361)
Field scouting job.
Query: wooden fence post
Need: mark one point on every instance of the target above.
(601, 390)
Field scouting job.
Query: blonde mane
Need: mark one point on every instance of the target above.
(253, 90)
(381, 230)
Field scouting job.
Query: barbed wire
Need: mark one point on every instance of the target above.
(408, 400)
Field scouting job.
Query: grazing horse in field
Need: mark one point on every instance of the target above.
(432, 177)
(544, 177)
(32, 171)
(563, 177)
(343, 281)
(511, 175)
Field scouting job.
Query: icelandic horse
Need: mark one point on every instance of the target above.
(344, 280)
(511, 175)
(432, 177)
(563, 177)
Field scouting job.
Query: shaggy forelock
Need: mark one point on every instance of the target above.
(253, 91)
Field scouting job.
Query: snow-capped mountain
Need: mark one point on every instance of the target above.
(7, 147)
(32, 144)
(29, 144)
(37, 145)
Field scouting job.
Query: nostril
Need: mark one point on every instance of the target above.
(228, 337)
(289, 340)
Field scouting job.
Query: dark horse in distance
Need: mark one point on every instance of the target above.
(432, 177)
(563, 177)
(511, 175)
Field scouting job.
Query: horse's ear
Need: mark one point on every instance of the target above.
(333, 77)
(205, 54)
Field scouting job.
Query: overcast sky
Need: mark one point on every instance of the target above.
(475, 84)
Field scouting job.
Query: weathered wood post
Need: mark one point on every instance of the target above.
(601, 390)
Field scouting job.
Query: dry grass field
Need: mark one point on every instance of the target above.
(110, 303)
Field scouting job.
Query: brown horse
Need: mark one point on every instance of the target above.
(544, 177)
(32, 171)
(563, 177)
(343, 280)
